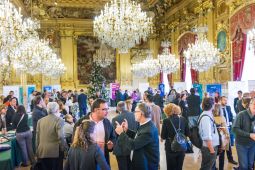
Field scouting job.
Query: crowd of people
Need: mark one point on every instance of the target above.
(71, 126)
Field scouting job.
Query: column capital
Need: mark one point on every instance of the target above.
(66, 33)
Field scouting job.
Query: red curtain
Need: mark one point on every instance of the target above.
(238, 49)
(182, 67)
(194, 76)
(183, 42)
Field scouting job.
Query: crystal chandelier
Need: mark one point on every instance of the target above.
(147, 68)
(104, 56)
(28, 56)
(11, 29)
(150, 66)
(34, 56)
(168, 62)
(54, 66)
(202, 55)
(122, 24)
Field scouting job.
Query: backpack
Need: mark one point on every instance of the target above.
(195, 137)
(179, 144)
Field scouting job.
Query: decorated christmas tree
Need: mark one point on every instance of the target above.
(97, 82)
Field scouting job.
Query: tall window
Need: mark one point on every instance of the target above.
(166, 83)
(188, 78)
(249, 62)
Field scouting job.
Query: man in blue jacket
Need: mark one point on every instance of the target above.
(82, 101)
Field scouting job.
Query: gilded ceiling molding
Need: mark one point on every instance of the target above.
(236, 5)
(78, 25)
(174, 9)
(204, 6)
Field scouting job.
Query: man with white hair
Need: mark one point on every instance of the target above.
(50, 141)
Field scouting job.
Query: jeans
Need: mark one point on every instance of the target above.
(208, 159)
(83, 111)
(193, 120)
(232, 136)
(24, 140)
(174, 160)
(245, 156)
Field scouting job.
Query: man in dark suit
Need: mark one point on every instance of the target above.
(194, 107)
(239, 97)
(240, 106)
(123, 156)
(10, 113)
(104, 133)
(225, 111)
(82, 101)
(158, 100)
(144, 144)
(39, 111)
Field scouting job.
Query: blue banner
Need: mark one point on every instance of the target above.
(47, 88)
(161, 87)
(212, 88)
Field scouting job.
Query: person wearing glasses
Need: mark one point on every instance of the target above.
(144, 144)
(103, 134)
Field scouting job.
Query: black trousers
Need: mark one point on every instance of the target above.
(50, 163)
(222, 157)
(174, 160)
(124, 162)
(53, 163)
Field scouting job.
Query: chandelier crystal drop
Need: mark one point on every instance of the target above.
(202, 55)
(122, 24)
(104, 56)
(168, 62)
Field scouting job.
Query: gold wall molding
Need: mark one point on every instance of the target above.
(236, 5)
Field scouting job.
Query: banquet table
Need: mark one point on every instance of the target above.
(12, 157)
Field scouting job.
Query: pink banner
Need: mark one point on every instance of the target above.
(113, 88)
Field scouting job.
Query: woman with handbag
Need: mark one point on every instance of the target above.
(174, 122)
(23, 135)
(224, 134)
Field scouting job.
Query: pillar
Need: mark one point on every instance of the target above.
(67, 55)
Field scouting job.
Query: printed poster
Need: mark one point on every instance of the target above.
(212, 88)
(199, 90)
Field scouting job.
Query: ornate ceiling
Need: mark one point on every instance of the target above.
(88, 9)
